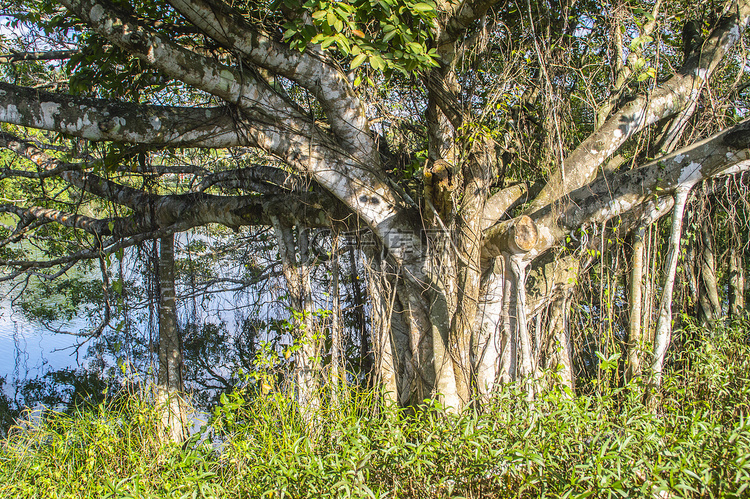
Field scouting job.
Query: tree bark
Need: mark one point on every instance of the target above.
(641, 290)
(710, 301)
(337, 372)
(558, 350)
(446, 320)
(489, 344)
(385, 322)
(664, 323)
(170, 389)
(736, 278)
(672, 97)
(296, 266)
(725, 153)
(636, 344)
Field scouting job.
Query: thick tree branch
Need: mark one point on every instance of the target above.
(259, 178)
(178, 214)
(614, 195)
(310, 69)
(99, 120)
(345, 177)
(581, 166)
(100, 227)
(178, 211)
(460, 15)
(237, 87)
(499, 203)
(348, 177)
(37, 56)
(351, 178)
(445, 90)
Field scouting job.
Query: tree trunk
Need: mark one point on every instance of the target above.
(527, 365)
(649, 293)
(296, 265)
(558, 349)
(490, 338)
(552, 282)
(710, 301)
(736, 279)
(395, 343)
(170, 388)
(430, 297)
(468, 240)
(664, 323)
(337, 373)
(636, 343)
(381, 315)
(365, 354)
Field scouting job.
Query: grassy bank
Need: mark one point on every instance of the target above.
(601, 444)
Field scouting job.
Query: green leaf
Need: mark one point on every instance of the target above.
(309, 31)
(341, 12)
(343, 44)
(389, 35)
(377, 62)
(423, 7)
(415, 47)
(357, 61)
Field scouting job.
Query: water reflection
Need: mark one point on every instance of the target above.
(28, 350)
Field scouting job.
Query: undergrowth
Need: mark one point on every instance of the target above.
(604, 444)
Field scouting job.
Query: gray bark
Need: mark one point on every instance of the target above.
(664, 323)
(722, 154)
(386, 323)
(442, 326)
(313, 70)
(636, 342)
(489, 344)
(736, 279)
(558, 348)
(710, 301)
(170, 388)
(296, 265)
(639, 296)
(96, 119)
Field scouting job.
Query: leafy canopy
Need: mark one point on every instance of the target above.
(387, 34)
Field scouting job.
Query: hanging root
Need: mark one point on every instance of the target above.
(664, 324)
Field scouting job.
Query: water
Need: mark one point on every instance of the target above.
(28, 350)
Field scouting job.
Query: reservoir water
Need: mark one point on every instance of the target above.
(28, 350)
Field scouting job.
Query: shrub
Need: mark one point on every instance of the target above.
(602, 445)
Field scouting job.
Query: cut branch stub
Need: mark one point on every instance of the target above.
(516, 236)
(523, 235)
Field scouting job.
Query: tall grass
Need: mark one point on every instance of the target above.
(601, 445)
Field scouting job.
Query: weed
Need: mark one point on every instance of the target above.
(602, 445)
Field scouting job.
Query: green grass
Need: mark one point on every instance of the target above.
(600, 445)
